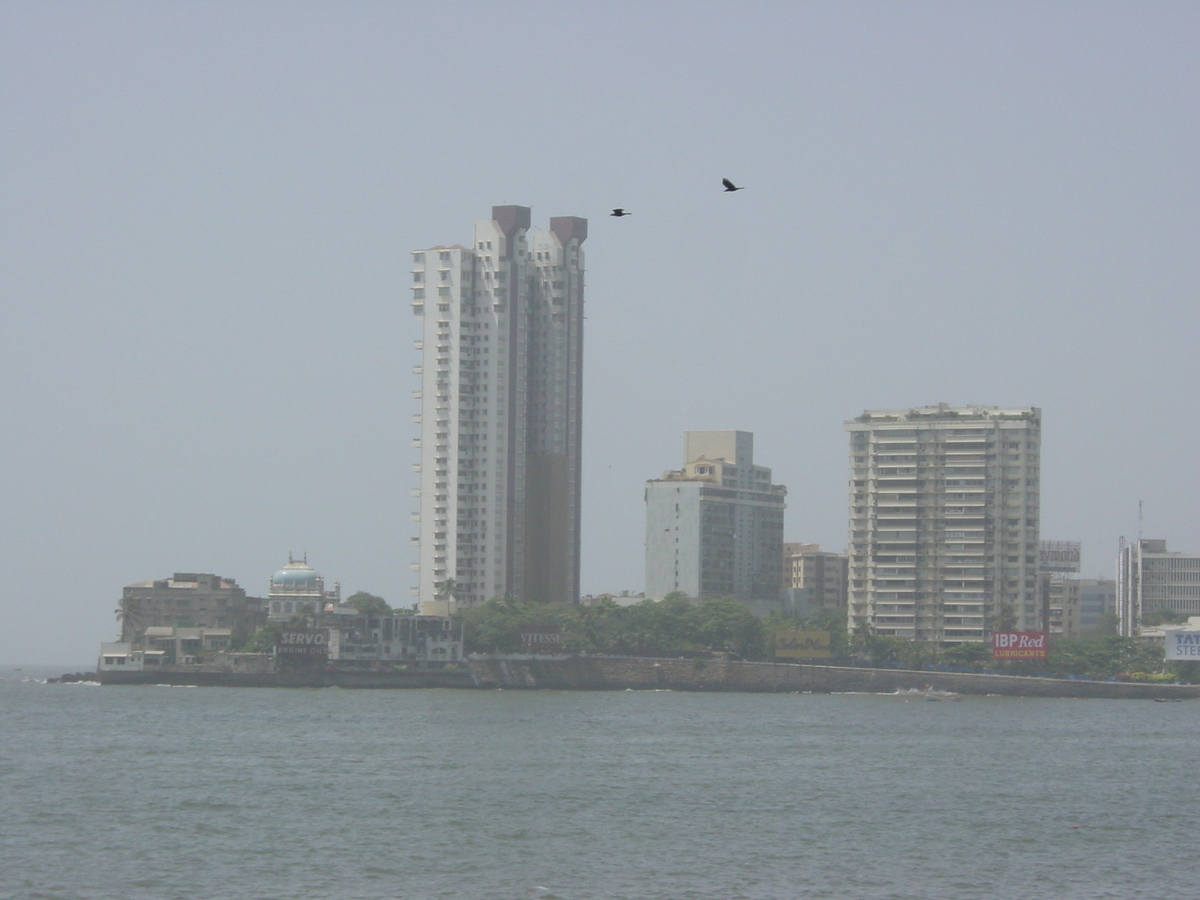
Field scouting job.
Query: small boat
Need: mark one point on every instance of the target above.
(941, 695)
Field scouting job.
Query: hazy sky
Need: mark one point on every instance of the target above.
(208, 208)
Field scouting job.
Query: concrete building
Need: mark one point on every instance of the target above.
(424, 641)
(1097, 599)
(944, 521)
(500, 403)
(191, 599)
(814, 579)
(299, 590)
(173, 645)
(1150, 579)
(715, 527)
(1061, 599)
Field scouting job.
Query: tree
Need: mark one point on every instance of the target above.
(129, 616)
(1006, 618)
(446, 589)
(368, 604)
(1108, 624)
(973, 654)
(1164, 617)
(729, 624)
(862, 641)
(263, 640)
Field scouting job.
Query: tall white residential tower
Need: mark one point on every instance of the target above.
(944, 522)
(501, 395)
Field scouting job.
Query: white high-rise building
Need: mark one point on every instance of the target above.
(944, 522)
(501, 394)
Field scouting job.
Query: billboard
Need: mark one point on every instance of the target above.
(1019, 645)
(1060, 556)
(541, 640)
(1181, 644)
(802, 645)
(301, 644)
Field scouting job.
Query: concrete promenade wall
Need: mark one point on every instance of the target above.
(615, 673)
(621, 673)
(416, 678)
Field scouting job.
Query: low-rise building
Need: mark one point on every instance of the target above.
(415, 639)
(175, 645)
(119, 656)
(190, 599)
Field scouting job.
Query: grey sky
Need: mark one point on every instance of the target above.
(207, 212)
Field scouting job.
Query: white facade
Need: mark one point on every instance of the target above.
(715, 527)
(1152, 580)
(500, 401)
(944, 519)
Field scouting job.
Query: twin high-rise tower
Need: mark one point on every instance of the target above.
(501, 394)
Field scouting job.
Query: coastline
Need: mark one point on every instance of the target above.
(614, 673)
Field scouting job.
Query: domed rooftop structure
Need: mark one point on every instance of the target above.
(297, 578)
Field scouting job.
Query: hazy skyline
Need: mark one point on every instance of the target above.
(208, 211)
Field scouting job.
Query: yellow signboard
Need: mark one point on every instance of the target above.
(802, 645)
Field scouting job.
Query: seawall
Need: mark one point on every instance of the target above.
(415, 678)
(625, 673)
(618, 673)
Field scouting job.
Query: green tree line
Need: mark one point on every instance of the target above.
(677, 625)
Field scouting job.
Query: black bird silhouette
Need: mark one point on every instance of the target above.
(618, 212)
(730, 186)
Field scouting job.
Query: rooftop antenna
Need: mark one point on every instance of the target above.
(1139, 523)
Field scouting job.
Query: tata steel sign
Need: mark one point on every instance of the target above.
(1181, 645)
(1019, 645)
(802, 645)
(542, 640)
(1060, 556)
(302, 644)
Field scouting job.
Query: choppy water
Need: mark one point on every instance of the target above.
(199, 793)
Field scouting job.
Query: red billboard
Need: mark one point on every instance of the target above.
(1019, 645)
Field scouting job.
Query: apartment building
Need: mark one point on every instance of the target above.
(715, 527)
(501, 378)
(944, 521)
(814, 579)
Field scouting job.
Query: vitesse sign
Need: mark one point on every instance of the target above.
(541, 640)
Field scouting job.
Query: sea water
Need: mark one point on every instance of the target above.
(178, 793)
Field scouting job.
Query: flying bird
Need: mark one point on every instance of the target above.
(730, 186)
(618, 212)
